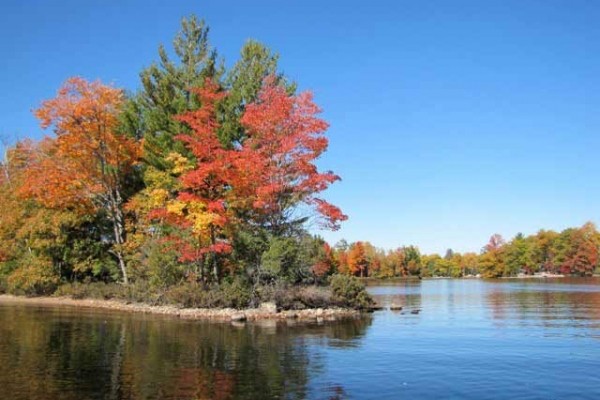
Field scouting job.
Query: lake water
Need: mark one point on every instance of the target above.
(472, 339)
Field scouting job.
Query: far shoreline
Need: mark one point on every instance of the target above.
(400, 279)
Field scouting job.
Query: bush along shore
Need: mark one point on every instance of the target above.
(234, 300)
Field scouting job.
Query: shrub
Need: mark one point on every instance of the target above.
(190, 295)
(6, 268)
(230, 294)
(140, 291)
(161, 264)
(290, 297)
(281, 294)
(348, 291)
(92, 290)
(236, 293)
(314, 296)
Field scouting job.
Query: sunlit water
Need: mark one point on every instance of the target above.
(472, 339)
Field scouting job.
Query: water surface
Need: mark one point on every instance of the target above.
(471, 339)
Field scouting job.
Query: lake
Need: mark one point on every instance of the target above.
(471, 339)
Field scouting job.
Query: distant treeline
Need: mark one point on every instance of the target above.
(574, 251)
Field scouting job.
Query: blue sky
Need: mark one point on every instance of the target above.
(450, 120)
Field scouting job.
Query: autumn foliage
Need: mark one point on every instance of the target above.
(201, 203)
(285, 137)
(84, 167)
(574, 251)
(207, 175)
(259, 182)
(196, 208)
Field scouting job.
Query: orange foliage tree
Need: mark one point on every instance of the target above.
(583, 255)
(84, 168)
(358, 261)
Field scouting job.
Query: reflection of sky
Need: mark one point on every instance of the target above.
(475, 339)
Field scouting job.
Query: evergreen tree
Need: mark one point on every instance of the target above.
(243, 83)
(165, 92)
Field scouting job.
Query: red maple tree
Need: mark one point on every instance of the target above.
(285, 138)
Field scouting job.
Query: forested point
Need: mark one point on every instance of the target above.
(199, 189)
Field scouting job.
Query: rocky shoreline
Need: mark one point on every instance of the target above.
(267, 311)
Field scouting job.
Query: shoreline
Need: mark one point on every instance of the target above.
(370, 280)
(204, 314)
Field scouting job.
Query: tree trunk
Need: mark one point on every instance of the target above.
(118, 220)
(122, 266)
(215, 265)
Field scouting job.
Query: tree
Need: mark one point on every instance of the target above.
(411, 262)
(582, 253)
(543, 250)
(430, 265)
(519, 256)
(302, 258)
(325, 263)
(357, 260)
(491, 261)
(469, 263)
(449, 254)
(202, 201)
(341, 259)
(285, 137)
(14, 208)
(244, 82)
(495, 243)
(167, 91)
(86, 167)
(392, 263)
(40, 245)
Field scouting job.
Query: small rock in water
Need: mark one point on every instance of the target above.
(239, 317)
(375, 307)
(238, 324)
(415, 311)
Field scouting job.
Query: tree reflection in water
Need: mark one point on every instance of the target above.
(51, 353)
